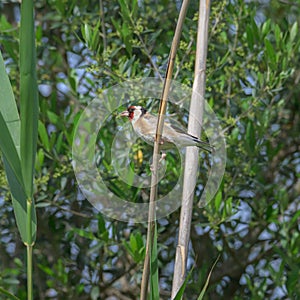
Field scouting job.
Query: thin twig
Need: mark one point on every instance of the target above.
(159, 129)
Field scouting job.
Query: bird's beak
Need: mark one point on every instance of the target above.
(124, 114)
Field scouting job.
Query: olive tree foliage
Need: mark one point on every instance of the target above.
(253, 71)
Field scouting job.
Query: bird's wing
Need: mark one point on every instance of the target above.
(170, 131)
(146, 128)
(176, 127)
(189, 137)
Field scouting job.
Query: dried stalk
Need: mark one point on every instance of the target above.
(159, 129)
(191, 163)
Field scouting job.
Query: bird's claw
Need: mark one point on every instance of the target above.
(163, 157)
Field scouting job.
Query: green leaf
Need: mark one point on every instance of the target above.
(127, 36)
(8, 107)
(72, 80)
(117, 25)
(218, 200)
(250, 37)
(85, 234)
(42, 204)
(8, 294)
(255, 31)
(154, 282)
(19, 201)
(95, 37)
(180, 292)
(136, 247)
(134, 9)
(9, 145)
(266, 27)
(295, 218)
(59, 142)
(28, 96)
(40, 159)
(228, 208)
(53, 118)
(47, 270)
(207, 280)
(278, 35)
(125, 10)
(90, 35)
(250, 138)
(293, 32)
(43, 135)
(271, 56)
(29, 129)
(102, 231)
(9, 45)
(86, 32)
(133, 243)
(101, 224)
(9, 151)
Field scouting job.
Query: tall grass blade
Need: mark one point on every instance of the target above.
(29, 124)
(154, 281)
(207, 280)
(8, 106)
(10, 148)
(180, 292)
(9, 125)
(28, 95)
(19, 200)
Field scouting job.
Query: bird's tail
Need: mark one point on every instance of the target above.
(203, 145)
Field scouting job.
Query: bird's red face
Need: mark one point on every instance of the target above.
(129, 112)
(133, 112)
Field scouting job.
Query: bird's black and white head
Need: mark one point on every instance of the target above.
(133, 113)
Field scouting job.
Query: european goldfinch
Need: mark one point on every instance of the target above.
(144, 124)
